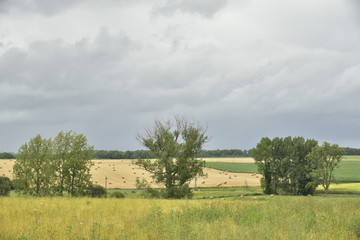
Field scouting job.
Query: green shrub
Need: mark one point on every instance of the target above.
(117, 195)
(5, 186)
(97, 191)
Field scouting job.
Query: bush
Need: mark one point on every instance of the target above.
(5, 186)
(117, 195)
(97, 191)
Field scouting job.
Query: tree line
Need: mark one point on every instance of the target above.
(145, 154)
(295, 165)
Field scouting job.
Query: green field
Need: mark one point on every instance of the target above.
(233, 167)
(347, 171)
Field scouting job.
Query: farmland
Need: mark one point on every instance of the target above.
(347, 170)
(123, 173)
(224, 172)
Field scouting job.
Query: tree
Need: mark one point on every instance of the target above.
(302, 181)
(33, 171)
(327, 158)
(5, 186)
(263, 159)
(174, 144)
(72, 163)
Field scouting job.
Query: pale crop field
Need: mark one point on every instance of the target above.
(261, 217)
(123, 173)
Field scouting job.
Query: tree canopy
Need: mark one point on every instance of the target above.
(174, 145)
(295, 165)
(52, 166)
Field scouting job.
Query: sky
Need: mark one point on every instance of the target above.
(245, 69)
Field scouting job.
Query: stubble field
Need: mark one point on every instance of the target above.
(122, 174)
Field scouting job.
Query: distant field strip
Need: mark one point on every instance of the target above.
(352, 158)
(347, 171)
(233, 167)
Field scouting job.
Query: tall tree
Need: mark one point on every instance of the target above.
(73, 162)
(327, 157)
(302, 182)
(262, 154)
(33, 171)
(174, 144)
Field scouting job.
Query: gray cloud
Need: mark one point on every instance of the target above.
(206, 8)
(42, 6)
(245, 79)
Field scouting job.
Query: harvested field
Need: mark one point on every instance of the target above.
(123, 173)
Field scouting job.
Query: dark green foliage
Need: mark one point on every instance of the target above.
(96, 191)
(175, 146)
(285, 165)
(114, 154)
(351, 151)
(117, 194)
(5, 186)
(6, 155)
(146, 154)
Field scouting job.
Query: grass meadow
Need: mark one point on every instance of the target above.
(249, 217)
(213, 213)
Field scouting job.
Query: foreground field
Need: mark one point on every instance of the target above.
(256, 217)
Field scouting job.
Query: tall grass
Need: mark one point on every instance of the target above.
(285, 217)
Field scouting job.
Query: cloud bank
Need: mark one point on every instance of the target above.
(247, 69)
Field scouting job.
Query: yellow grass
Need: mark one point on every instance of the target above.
(353, 187)
(248, 218)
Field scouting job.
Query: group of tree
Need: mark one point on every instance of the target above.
(174, 144)
(54, 166)
(295, 165)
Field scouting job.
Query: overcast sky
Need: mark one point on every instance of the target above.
(245, 68)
